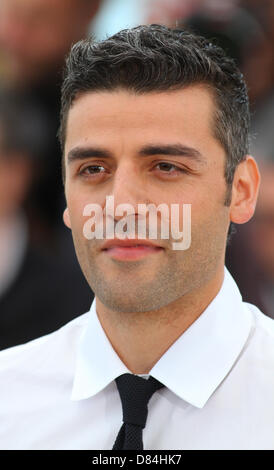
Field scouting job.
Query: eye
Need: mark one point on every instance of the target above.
(167, 167)
(92, 170)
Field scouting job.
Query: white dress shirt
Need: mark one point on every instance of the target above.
(58, 392)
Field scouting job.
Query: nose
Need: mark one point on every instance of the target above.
(129, 187)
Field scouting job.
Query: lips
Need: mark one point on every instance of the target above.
(130, 249)
(128, 243)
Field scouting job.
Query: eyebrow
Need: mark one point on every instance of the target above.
(82, 153)
(177, 150)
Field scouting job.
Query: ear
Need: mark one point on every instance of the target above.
(245, 189)
(66, 218)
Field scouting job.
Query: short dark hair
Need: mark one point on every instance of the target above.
(157, 58)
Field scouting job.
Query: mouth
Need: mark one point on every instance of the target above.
(126, 250)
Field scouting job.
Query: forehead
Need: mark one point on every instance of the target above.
(186, 114)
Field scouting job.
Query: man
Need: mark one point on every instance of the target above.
(150, 116)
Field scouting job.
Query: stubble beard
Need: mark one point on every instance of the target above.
(135, 290)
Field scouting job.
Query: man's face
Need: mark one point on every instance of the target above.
(110, 131)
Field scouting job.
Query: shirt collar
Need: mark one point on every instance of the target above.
(192, 367)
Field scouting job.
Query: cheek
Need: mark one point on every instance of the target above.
(199, 207)
(83, 211)
(209, 221)
(186, 210)
(76, 210)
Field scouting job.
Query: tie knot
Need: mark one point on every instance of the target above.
(135, 393)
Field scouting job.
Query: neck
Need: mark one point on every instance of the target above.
(140, 339)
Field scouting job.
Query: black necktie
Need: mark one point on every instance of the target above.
(135, 393)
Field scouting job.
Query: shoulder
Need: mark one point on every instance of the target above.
(50, 352)
(36, 383)
(262, 323)
(261, 339)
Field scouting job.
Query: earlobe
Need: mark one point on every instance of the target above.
(245, 191)
(66, 218)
